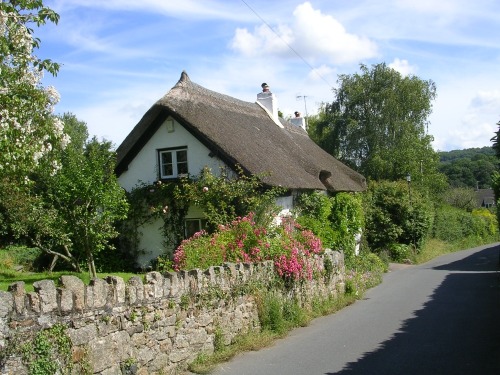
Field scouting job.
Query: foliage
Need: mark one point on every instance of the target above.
(28, 130)
(469, 168)
(292, 248)
(69, 214)
(23, 258)
(49, 352)
(226, 196)
(335, 220)
(377, 124)
(462, 198)
(149, 202)
(88, 201)
(496, 141)
(399, 253)
(452, 224)
(396, 214)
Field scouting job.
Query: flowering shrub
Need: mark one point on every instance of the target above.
(240, 241)
(291, 248)
(295, 250)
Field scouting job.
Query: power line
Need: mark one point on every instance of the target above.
(288, 45)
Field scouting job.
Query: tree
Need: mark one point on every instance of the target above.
(87, 198)
(28, 129)
(377, 124)
(495, 178)
(471, 167)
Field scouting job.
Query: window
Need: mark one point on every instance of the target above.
(173, 162)
(191, 226)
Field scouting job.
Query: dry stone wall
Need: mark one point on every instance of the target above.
(155, 326)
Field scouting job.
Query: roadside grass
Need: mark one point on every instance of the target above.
(434, 247)
(256, 340)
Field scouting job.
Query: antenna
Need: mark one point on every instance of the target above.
(305, 105)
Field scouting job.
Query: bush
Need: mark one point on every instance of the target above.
(26, 258)
(396, 215)
(335, 220)
(290, 247)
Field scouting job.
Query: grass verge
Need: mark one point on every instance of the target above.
(434, 247)
(252, 341)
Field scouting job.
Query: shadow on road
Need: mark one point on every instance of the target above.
(457, 331)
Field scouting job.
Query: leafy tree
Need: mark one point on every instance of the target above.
(496, 175)
(88, 200)
(496, 141)
(462, 198)
(29, 133)
(28, 130)
(377, 124)
(70, 214)
(396, 215)
(471, 167)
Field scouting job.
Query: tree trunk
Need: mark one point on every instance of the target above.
(90, 259)
(53, 263)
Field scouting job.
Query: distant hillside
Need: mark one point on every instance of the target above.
(471, 167)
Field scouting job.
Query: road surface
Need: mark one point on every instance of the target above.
(439, 318)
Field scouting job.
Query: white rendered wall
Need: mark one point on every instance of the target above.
(144, 167)
(151, 242)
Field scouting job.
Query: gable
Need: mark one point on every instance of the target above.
(243, 133)
(144, 166)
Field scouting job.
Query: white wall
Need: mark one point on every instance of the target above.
(144, 167)
(151, 242)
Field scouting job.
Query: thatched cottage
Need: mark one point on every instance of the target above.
(192, 127)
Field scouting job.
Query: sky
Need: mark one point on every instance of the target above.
(118, 57)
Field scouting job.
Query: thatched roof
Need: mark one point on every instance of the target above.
(242, 133)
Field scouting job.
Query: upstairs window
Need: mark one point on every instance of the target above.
(173, 162)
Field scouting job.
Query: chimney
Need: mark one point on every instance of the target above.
(298, 120)
(268, 101)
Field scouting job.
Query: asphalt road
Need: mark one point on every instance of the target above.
(439, 318)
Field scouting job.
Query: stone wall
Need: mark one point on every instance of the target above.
(155, 326)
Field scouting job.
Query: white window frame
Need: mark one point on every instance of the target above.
(175, 163)
(202, 224)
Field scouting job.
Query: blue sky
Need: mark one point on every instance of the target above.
(119, 56)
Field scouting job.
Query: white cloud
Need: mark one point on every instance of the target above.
(465, 121)
(402, 66)
(487, 101)
(263, 41)
(312, 34)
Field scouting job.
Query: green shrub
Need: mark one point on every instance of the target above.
(394, 214)
(26, 258)
(399, 252)
(335, 220)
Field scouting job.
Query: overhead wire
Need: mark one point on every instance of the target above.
(286, 43)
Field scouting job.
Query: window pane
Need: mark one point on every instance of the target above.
(192, 226)
(182, 156)
(182, 166)
(167, 170)
(166, 164)
(166, 158)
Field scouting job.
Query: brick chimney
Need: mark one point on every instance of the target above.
(298, 120)
(268, 101)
